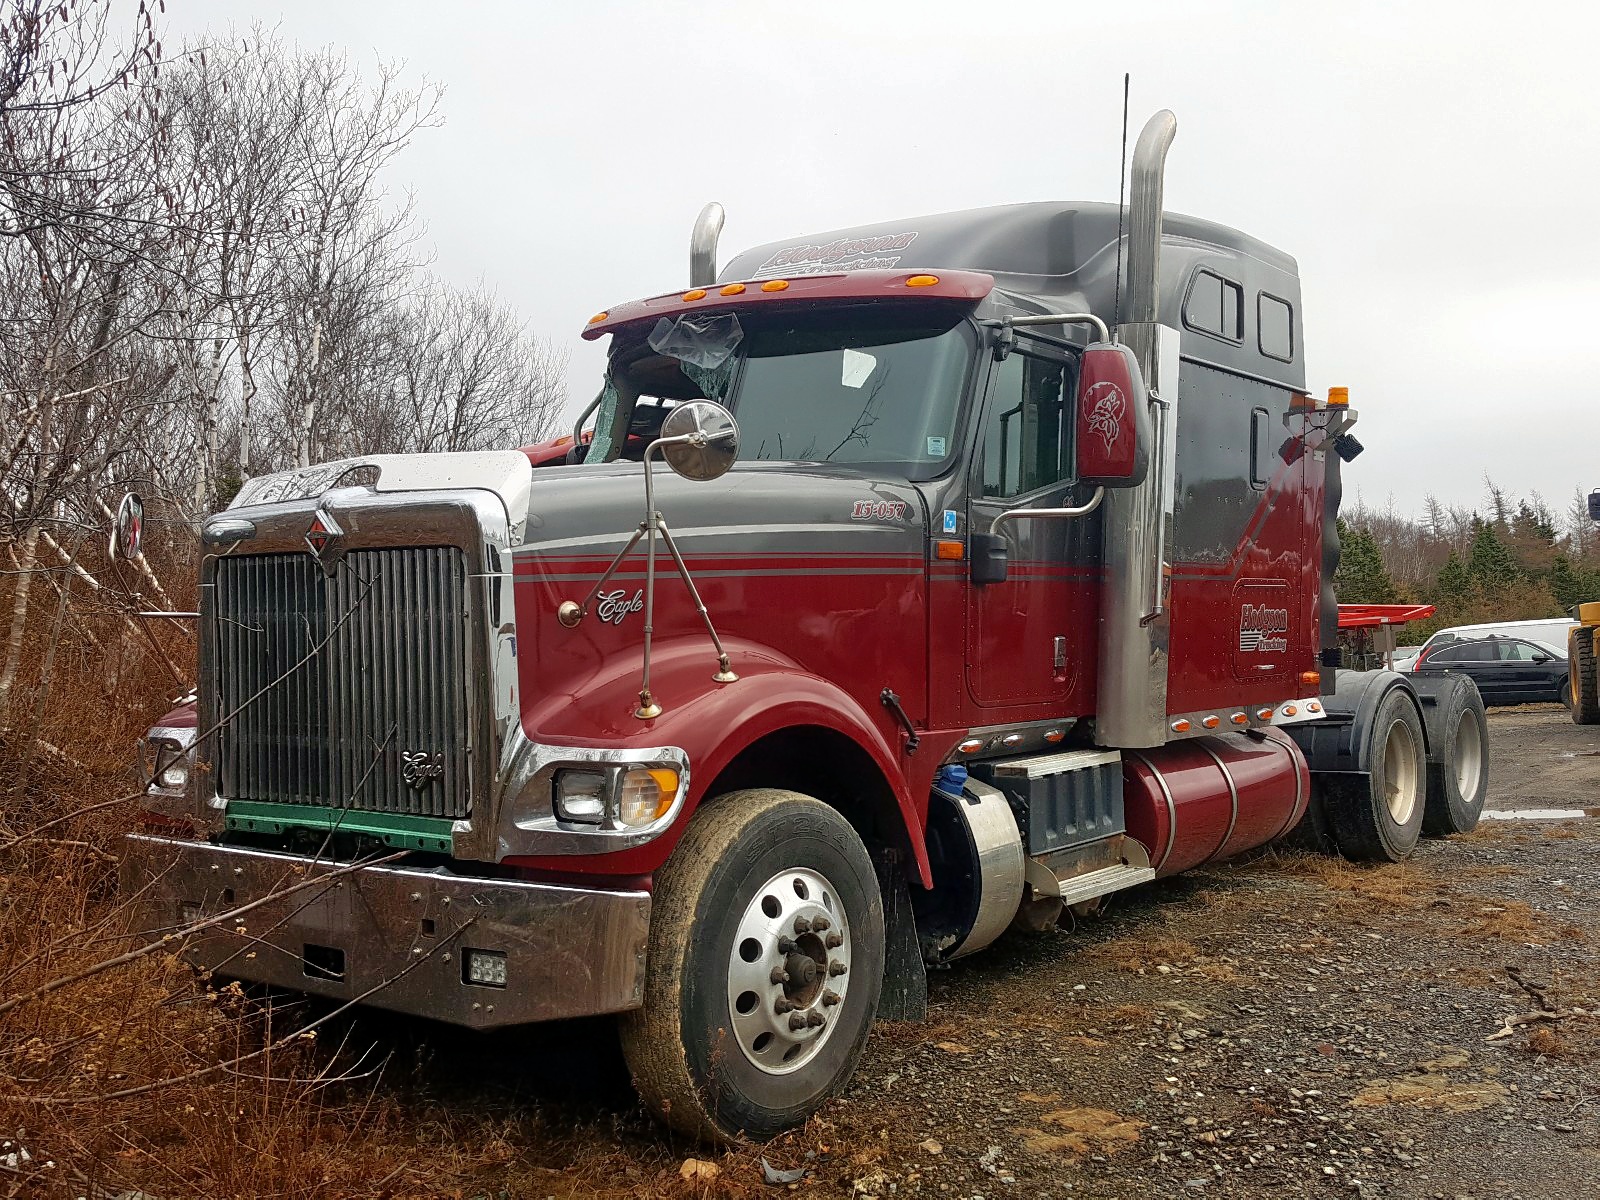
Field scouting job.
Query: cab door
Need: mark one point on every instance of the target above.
(1031, 640)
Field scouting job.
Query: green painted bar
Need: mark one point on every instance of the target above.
(399, 830)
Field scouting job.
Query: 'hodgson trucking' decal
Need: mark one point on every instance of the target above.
(1263, 630)
(842, 254)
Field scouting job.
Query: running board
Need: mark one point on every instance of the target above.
(1103, 882)
(1087, 872)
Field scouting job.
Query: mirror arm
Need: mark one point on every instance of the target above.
(1005, 324)
(1019, 514)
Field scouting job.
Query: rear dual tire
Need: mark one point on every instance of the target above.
(1458, 759)
(1377, 815)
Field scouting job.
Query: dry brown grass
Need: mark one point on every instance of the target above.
(1362, 887)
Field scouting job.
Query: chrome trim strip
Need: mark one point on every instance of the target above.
(1233, 794)
(1172, 809)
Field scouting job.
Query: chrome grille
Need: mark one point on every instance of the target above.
(326, 684)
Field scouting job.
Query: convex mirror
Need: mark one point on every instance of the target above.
(699, 439)
(127, 529)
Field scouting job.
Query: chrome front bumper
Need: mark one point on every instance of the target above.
(394, 937)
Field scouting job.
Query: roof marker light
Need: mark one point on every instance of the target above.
(695, 294)
(598, 317)
(922, 281)
(774, 285)
(732, 289)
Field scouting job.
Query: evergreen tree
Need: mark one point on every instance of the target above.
(1492, 566)
(1362, 577)
(1452, 587)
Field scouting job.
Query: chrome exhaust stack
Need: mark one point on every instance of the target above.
(1131, 708)
(703, 245)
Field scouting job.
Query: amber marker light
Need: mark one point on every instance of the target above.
(695, 294)
(732, 289)
(1180, 726)
(1289, 710)
(1054, 735)
(971, 744)
(1211, 722)
(598, 317)
(1264, 714)
(1240, 719)
(950, 550)
(1311, 677)
(1338, 397)
(1313, 707)
(922, 281)
(775, 285)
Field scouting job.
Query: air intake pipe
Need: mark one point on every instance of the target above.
(1131, 708)
(703, 246)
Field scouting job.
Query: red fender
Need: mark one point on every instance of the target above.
(712, 723)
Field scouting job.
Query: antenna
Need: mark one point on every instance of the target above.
(1122, 207)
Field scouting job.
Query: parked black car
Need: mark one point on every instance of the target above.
(1507, 670)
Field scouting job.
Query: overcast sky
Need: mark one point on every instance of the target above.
(1433, 167)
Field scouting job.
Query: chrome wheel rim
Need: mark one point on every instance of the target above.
(1468, 756)
(788, 971)
(1400, 772)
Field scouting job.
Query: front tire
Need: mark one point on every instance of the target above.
(765, 963)
(1377, 815)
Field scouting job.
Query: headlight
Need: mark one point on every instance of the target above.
(166, 764)
(581, 796)
(646, 795)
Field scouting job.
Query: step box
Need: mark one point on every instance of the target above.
(1061, 800)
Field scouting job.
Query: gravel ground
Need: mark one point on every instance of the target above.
(1284, 1026)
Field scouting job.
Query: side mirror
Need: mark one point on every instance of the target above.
(127, 529)
(1113, 421)
(1541, 658)
(699, 439)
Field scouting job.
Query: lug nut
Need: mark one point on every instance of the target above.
(820, 924)
(785, 945)
(797, 1021)
(779, 975)
(782, 1005)
(830, 998)
(814, 1020)
(837, 968)
(833, 941)
(801, 925)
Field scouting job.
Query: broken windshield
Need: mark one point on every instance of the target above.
(839, 385)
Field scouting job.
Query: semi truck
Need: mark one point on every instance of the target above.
(904, 584)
